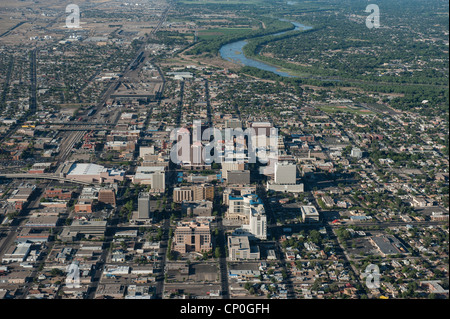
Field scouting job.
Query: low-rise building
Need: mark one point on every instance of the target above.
(309, 214)
(197, 208)
(240, 248)
(17, 253)
(94, 228)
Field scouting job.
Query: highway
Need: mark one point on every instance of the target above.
(12, 29)
(44, 176)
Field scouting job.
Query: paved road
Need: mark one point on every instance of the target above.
(223, 261)
(99, 266)
(163, 255)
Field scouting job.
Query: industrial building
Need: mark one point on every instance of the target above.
(93, 173)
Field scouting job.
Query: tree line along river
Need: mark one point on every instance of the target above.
(233, 52)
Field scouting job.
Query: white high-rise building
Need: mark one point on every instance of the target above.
(285, 173)
(258, 222)
(249, 211)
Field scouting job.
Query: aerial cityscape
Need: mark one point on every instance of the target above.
(224, 149)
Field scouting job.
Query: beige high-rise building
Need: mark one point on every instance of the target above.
(192, 237)
(181, 194)
(203, 192)
(193, 193)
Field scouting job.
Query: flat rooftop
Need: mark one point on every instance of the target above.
(86, 169)
(310, 210)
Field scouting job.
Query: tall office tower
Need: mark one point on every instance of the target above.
(231, 166)
(248, 210)
(192, 237)
(181, 194)
(257, 219)
(159, 181)
(144, 206)
(258, 222)
(203, 192)
(285, 173)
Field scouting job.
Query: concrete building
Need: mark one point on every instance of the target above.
(21, 194)
(192, 237)
(203, 192)
(240, 248)
(193, 193)
(287, 188)
(181, 194)
(257, 224)
(233, 123)
(236, 209)
(144, 206)
(248, 211)
(151, 175)
(197, 208)
(43, 221)
(146, 150)
(236, 191)
(309, 214)
(231, 166)
(107, 196)
(285, 173)
(106, 291)
(238, 177)
(17, 253)
(33, 235)
(94, 228)
(388, 245)
(356, 153)
(93, 173)
(285, 178)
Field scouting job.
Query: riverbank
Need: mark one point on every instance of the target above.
(244, 52)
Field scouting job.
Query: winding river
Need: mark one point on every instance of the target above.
(233, 52)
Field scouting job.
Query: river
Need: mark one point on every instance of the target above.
(233, 52)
